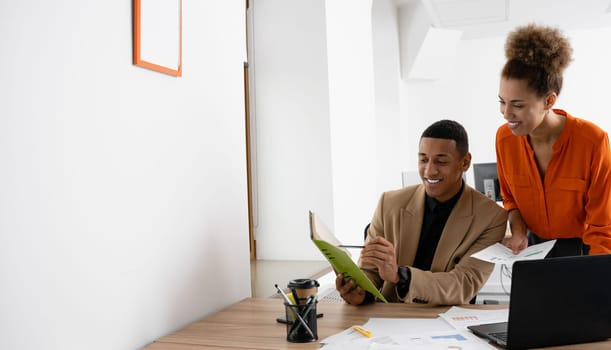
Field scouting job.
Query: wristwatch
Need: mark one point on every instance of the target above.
(402, 287)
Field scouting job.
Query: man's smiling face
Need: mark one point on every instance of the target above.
(441, 167)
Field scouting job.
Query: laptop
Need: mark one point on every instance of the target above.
(555, 301)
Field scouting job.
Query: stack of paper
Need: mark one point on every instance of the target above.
(448, 331)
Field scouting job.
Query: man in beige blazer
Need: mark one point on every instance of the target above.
(419, 244)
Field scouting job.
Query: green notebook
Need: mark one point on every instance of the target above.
(339, 257)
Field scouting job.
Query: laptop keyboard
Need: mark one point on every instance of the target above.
(333, 297)
(502, 336)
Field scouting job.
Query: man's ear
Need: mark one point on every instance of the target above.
(466, 161)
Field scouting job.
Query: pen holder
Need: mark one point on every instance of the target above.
(301, 326)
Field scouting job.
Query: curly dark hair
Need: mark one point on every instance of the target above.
(449, 130)
(538, 54)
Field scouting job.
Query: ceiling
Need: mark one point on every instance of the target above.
(483, 18)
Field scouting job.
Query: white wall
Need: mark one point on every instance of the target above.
(311, 65)
(387, 82)
(123, 210)
(292, 126)
(326, 119)
(352, 116)
(470, 93)
(585, 91)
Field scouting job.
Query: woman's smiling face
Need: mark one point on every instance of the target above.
(520, 106)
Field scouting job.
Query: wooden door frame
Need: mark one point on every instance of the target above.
(251, 228)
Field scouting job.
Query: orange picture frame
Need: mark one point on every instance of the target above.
(158, 35)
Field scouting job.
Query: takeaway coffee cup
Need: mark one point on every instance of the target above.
(303, 289)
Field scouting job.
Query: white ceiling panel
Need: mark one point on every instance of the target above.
(483, 18)
(461, 12)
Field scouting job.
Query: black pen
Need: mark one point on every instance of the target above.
(294, 292)
(351, 246)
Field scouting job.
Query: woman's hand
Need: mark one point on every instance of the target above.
(517, 242)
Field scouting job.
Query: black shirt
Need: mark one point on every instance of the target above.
(435, 217)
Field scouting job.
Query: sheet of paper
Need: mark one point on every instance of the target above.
(499, 254)
(459, 317)
(454, 339)
(437, 340)
(320, 231)
(450, 341)
(383, 327)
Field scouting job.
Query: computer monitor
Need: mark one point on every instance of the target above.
(487, 180)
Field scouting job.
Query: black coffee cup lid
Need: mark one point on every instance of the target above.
(303, 283)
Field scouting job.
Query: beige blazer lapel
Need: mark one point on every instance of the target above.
(454, 232)
(411, 225)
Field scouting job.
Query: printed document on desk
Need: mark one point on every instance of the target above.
(460, 317)
(499, 254)
(391, 334)
(338, 257)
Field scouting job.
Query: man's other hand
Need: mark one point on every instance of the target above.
(349, 291)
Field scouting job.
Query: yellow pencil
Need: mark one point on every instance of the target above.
(362, 331)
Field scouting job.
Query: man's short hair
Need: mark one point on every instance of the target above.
(449, 130)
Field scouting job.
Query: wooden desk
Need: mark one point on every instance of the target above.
(251, 324)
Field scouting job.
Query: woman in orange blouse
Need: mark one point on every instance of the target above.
(554, 169)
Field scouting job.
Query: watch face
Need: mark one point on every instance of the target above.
(402, 287)
(404, 274)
